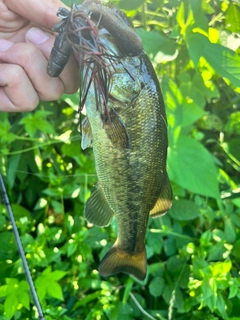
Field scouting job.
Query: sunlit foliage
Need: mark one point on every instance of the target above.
(194, 250)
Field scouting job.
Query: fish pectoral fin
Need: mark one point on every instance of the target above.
(164, 201)
(116, 131)
(97, 210)
(117, 260)
(86, 134)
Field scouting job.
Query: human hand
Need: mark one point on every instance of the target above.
(25, 46)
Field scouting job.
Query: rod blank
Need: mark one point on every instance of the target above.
(21, 250)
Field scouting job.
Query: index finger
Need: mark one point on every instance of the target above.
(41, 12)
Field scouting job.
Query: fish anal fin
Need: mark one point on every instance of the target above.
(116, 131)
(86, 134)
(164, 201)
(97, 210)
(117, 260)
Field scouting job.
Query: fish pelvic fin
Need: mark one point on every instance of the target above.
(97, 210)
(117, 260)
(164, 201)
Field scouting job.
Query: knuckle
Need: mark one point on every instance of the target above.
(54, 91)
(16, 73)
(26, 52)
(31, 105)
(12, 72)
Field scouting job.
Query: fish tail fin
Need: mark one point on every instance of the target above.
(117, 260)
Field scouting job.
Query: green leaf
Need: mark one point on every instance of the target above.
(175, 265)
(55, 290)
(170, 246)
(29, 125)
(233, 18)
(173, 99)
(46, 283)
(8, 245)
(71, 248)
(233, 291)
(53, 192)
(233, 124)
(198, 264)
(20, 212)
(191, 166)
(57, 206)
(42, 114)
(224, 61)
(232, 150)
(10, 305)
(58, 274)
(221, 306)
(221, 268)
(24, 299)
(3, 291)
(41, 289)
(45, 126)
(158, 46)
(191, 90)
(216, 252)
(236, 249)
(191, 113)
(184, 210)
(229, 231)
(180, 17)
(12, 169)
(154, 241)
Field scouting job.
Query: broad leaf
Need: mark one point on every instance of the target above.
(191, 166)
(158, 46)
(233, 18)
(156, 286)
(10, 305)
(184, 210)
(224, 61)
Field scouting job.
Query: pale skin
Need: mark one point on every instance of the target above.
(26, 41)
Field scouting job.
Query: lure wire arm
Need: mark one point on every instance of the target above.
(21, 250)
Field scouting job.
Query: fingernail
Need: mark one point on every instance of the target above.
(5, 45)
(36, 36)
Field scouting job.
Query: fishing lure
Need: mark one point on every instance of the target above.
(80, 32)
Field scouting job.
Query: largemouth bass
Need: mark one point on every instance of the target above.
(130, 150)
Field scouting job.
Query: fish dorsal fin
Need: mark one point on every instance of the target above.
(97, 210)
(116, 131)
(164, 201)
(86, 134)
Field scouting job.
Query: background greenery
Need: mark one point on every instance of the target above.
(194, 250)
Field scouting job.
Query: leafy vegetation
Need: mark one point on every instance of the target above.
(194, 250)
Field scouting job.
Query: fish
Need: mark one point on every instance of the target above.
(126, 126)
(130, 157)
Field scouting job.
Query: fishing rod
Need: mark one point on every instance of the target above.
(21, 250)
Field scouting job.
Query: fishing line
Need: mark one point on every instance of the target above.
(21, 250)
